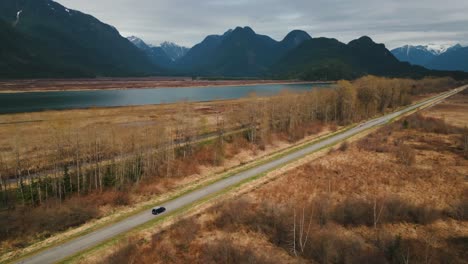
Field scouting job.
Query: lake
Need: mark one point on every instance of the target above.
(39, 101)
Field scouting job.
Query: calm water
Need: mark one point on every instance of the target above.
(31, 102)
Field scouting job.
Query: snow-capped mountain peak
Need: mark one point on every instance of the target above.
(438, 49)
(431, 56)
(170, 49)
(135, 40)
(434, 49)
(173, 50)
(138, 42)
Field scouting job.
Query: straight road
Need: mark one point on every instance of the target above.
(90, 240)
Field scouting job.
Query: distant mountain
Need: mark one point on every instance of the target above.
(41, 38)
(432, 56)
(201, 52)
(454, 59)
(329, 59)
(157, 55)
(240, 52)
(174, 51)
(294, 39)
(17, 59)
(139, 43)
(165, 55)
(64, 43)
(417, 55)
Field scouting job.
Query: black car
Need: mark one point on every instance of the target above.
(158, 210)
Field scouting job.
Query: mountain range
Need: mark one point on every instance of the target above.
(238, 52)
(43, 39)
(164, 55)
(436, 57)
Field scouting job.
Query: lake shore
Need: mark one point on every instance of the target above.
(54, 85)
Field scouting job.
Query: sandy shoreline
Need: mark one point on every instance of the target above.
(22, 86)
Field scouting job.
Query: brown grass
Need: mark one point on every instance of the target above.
(120, 83)
(360, 205)
(102, 134)
(453, 110)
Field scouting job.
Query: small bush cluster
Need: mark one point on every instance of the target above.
(225, 251)
(429, 124)
(374, 143)
(324, 242)
(344, 146)
(45, 221)
(405, 155)
(356, 212)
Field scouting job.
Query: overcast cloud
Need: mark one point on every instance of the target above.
(187, 22)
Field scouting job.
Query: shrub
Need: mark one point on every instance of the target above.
(265, 218)
(354, 212)
(459, 210)
(399, 250)
(183, 232)
(322, 207)
(398, 210)
(328, 246)
(126, 253)
(374, 143)
(225, 251)
(405, 124)
(121, 199)
(429, 124)
(344, 146)
(406, 155)
(465, 142)
(23, 222)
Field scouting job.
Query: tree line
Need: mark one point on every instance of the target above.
(95, 159)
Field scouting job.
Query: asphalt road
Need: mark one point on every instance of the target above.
(77, 245)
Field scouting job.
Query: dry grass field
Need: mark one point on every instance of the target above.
(63, 171)
(36, 135)
(453, 111)
(41, 85)
(398, 195)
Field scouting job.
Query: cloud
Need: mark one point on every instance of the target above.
(187, 22)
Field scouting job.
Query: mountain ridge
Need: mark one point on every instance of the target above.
(67, 39)
(434, 56)
(238, 52)
(329, 59)
(43, 39)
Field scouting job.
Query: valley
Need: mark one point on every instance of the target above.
(331, 132)
(105, 164)
(396, 194)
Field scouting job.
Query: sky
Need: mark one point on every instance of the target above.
(187, 22)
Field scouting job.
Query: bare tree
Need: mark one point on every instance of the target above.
(301, 231)
(465, 142)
